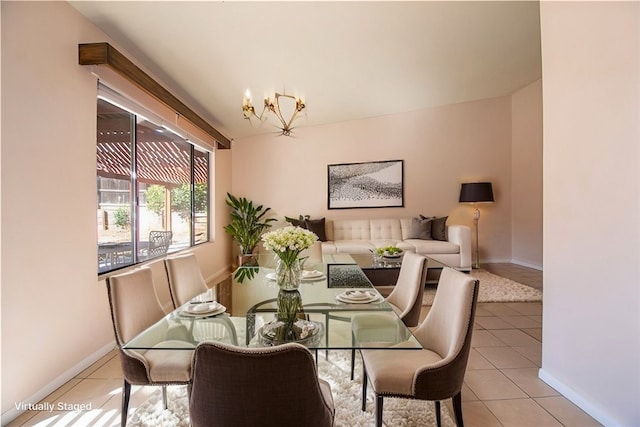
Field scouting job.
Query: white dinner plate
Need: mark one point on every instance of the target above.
(357, 297)
(311, 274)
(205, 309)
(201, 299)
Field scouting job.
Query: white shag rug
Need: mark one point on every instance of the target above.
(346, 397)
(494, 288)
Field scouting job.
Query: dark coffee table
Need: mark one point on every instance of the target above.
(384, 272)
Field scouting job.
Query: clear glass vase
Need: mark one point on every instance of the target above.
(289, 306)
(289, 311)
(288, 276)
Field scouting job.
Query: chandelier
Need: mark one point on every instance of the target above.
(285, 108)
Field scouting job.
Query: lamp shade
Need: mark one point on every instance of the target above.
(474, 192)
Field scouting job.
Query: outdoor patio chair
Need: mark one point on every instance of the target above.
(159, 241)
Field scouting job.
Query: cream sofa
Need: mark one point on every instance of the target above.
(365, 235)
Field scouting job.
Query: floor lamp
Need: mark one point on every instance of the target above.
(476, 192)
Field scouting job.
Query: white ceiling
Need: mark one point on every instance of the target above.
(348, 60)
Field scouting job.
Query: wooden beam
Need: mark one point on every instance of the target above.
(104, 54)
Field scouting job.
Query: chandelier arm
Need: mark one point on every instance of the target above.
(299, 107)
(293, 117)
(285, 125)
(262, 116)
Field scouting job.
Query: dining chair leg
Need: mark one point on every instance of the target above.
(379, 403)
(364, 391)
(353, 362)
(164, 396)
(326, 337)
(457, 408)
(126, 393)
(438, 416)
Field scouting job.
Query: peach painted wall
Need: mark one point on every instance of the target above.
(441, 147)
(55, 316)
(591, 93)
(526, 179)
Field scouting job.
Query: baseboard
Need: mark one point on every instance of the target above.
(527, 264)
(58, 382)
(510, 261)
(577, 399)
(495, 261)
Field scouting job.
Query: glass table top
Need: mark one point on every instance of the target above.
(335, 296)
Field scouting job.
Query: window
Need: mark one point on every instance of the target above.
(152, 189)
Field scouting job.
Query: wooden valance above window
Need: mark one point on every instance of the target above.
(105, 54)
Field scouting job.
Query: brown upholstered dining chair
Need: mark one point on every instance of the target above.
(134, 308)
(437, 371)
(185, 278)
(234, 386)
(405, 299)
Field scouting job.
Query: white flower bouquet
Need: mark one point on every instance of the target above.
(288, 242)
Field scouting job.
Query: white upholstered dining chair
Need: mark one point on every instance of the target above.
(185, 279)
(135, 307)
(405, 300)
(185, 283)
(437, 371)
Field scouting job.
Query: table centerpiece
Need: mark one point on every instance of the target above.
(287, 243)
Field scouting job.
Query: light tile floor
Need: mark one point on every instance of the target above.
(501, 388)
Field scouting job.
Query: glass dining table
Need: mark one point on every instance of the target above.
(334, 295)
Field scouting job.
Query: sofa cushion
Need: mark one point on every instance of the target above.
(329, 247)
(385, 229)
(421, 228)
(297, 222)
(316, 226)
(439, 228)
(383, 243)
(407, 247)
(351, 229)
(433, 246)
(353, 246)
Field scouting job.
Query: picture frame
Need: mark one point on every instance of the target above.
(378, 184)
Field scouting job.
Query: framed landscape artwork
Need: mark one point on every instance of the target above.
(366, 185)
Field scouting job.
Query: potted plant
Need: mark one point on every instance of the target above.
(248, 222)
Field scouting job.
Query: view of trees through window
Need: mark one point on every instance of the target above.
(152, 189)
